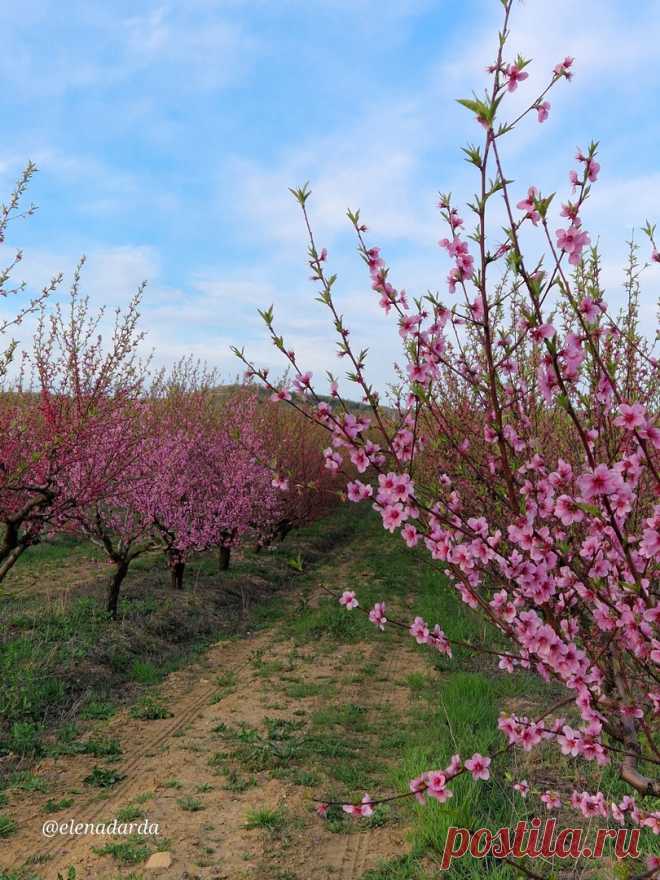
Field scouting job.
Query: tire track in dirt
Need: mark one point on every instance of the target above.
(362, 850)
(338, 857)
(61, 851)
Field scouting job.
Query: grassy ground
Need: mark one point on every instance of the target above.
(62, 658)
(330, 735)
(455, 705)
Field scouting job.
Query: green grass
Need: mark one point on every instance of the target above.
(130, 851)
(102, 747)
(301, 690)
(144, 672)
(102, 777)
(7, 826)
(98, 710)
(237, 783)
(403, 868)
(344, 747)
(455, 707)
(24, 780)
(130, 813)
(172, 783)
(51, 651)
(53, 806)
(190, 804)
(269, 820)
(99, 747)
(150, 708)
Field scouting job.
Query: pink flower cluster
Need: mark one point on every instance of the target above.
(464, 262)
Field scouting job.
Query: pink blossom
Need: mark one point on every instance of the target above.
(360, 459)
(438, 640)
(377, 615)
(364, 808)
(478, 766)
(393, 516)
(357, 491)
(522, 788)
(437, 786)
(593, 169)
(551, 800)
(601, 481)
(418, 787)
(527, 205)
(631, 416)
(569, 742)
(419, 630)
(589, 309)
(514, 76)
(453, 767)
(408, 324)
(652, 821)
(567, 510)
(302, 382)
(562, 69)
(572, 241)
(333, 459)
(348, 600)
(650, 545)
(410, 535)
(543, 110)
(454, 220)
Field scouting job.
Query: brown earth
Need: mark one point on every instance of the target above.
(214, 842)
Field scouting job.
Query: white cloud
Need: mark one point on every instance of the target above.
(100, 47)
(198, 52)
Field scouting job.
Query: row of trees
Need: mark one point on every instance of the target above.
(93, 442)
(522, 453)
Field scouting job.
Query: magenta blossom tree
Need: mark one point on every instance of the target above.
(246, 498)
(118, 520)
(60, 416)
(522, 453)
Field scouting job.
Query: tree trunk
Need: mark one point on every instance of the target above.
(9, 557)
(176, 570)
(115, 585)
(12, 547)
(223, 559)
(283, 528)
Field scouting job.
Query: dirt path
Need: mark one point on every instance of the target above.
(175, 773)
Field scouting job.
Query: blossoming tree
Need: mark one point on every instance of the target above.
(522, 456)
(58, 424)
(209, 485)
(292, 448)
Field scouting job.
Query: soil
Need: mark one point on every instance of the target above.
(212, 842)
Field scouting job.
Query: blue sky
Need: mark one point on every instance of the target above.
(167, 136)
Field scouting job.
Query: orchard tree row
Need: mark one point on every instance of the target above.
(94, 443)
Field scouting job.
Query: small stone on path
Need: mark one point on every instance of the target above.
(159, 860)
